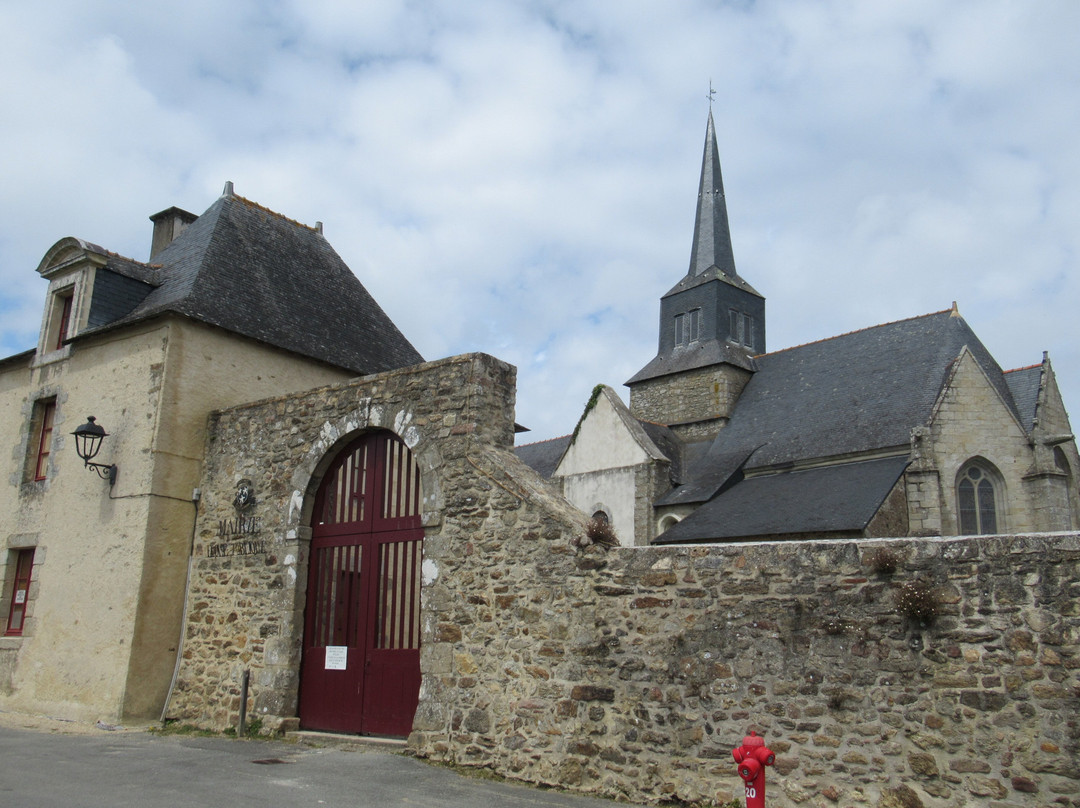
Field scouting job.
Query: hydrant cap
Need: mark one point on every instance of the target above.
(753, 739)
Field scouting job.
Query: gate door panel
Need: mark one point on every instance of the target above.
(361, 661)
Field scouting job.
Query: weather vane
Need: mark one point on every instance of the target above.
(712, 92)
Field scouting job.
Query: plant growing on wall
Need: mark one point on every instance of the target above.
(600, 532)
(882, 561)
(918, 601)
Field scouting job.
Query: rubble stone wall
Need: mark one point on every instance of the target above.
(248, 575)
(906, 672)
(700, 395)
(634, 672)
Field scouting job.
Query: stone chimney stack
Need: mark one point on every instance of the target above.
(168, 225)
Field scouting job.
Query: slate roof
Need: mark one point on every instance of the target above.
(833, 499)
(852, 394)
(712, 235)
(690, 357)
(543, 456)
(1024, 383)
(666, 441)
(246, 269)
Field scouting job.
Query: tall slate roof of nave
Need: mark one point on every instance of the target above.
(246, 269)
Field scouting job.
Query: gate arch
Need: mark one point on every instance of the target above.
(360, 663)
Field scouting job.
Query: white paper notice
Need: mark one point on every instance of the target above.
(337, 657)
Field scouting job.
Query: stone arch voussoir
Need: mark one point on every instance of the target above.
(336, 433)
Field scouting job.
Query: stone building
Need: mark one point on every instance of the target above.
(233, 305)
(909, 428)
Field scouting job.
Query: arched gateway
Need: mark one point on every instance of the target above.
(360, 670)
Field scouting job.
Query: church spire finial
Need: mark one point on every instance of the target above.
(712, 236)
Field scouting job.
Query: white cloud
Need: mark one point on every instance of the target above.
(520, 178)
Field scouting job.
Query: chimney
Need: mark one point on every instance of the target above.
(168, 225)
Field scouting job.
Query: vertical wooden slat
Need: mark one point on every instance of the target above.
(414, 599)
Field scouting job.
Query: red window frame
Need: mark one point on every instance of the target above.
(48, 415)
(65, 321)
(20, 592)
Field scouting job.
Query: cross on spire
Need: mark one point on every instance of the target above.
(712, 92)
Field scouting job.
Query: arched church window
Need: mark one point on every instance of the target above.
(978, 495)
(666, 522)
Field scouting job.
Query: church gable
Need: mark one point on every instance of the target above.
(977, 441)
(607, 437)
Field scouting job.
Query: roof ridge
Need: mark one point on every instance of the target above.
(146, 264)
(253, 204)
(1025, 367)
(855, 331)
(546, 440)
(112, 254)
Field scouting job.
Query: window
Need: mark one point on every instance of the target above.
(64, 309)
(667, 521)
(41, 445)
(688, 327)
(695, 325)
(977, 495)
(20, 591)
(741, 328)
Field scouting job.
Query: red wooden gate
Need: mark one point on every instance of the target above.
(361, 661)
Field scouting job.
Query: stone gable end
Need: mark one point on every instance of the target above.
(971, 421)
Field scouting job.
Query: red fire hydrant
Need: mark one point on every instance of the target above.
(753, 756)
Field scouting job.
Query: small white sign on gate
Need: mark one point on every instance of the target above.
(337, 657)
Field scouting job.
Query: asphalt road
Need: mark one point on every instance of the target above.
(138, 769)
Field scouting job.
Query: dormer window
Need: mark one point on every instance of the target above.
(61, 321)
(63, 303)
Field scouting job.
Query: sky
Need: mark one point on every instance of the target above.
(520, 178)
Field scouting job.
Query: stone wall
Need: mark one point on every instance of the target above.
(249, 568)
(633, 673)
(699, 395)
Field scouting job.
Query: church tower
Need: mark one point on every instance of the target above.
(712, 324)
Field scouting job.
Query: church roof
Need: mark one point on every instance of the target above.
(543, 456)
(246, 269)
(691, 357)
(832, 499)
(857, 393)
(712, 234)
(853, 393)
(1024, 384)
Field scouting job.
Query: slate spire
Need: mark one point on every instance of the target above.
(712, 236)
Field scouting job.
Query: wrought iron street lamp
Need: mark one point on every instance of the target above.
(88, 444)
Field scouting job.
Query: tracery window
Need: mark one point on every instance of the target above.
(978, 497)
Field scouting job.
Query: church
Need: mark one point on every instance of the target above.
(908, 428)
